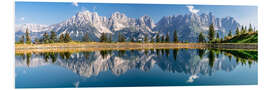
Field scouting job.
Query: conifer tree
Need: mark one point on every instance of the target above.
(121, 38)
(237, 31)
(67, 38)
(53, 37)
(167, 38)
(201, 38)
(157, 38)
(27, 36)
(61, 38)
(162, 38)
(230, 33)
(103, 37)
(217, 36)
(250, 28)
(146, 38)
(211, 33)
(175, 36)
(86, 38)
(110, 38)
(45, 38)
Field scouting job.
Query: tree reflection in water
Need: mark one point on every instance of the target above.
(188, 61)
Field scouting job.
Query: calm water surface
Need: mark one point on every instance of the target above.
(159, 67)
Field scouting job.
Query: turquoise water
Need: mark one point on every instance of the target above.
(170, 67)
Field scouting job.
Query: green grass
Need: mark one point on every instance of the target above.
(244, 54)
(244, 38)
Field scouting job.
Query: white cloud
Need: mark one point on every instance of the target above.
(191, 78)
(192, 10)
(22, 18)
(75, 3)
(94, 8)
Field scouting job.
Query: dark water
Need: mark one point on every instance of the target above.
(171, 67)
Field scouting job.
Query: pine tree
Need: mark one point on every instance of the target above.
(157, 38)
(121, 38)
(110, 38)
(67, 38)
(217, 36)
(250, 28)
(86, 38)
(211, 33)
(230, 33)
(162, 38)
(175, 36)
(146, 38)
(103, 37)
(167, 38)
(132, 40)
(201, 38)
(53, 37)
(27, 36)
(152, 40)
(45, 38)
(237, 31)
(21, 39)
(61, 38)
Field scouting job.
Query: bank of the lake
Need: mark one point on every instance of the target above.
(93, 46)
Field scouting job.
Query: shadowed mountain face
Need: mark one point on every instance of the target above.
(188, 26)
(87, 64)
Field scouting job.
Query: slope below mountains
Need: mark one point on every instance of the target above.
(244, 38)
(188, 26)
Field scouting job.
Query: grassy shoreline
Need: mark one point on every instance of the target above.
(94, 46)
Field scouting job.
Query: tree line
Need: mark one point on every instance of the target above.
(214, 37)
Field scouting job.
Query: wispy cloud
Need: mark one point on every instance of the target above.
(75, 3)
(192, 10)
(94, 8)
(191, 78)
(22, 19)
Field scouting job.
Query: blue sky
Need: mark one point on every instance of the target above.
(55, 12)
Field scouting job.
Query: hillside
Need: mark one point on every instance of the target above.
(244, 38)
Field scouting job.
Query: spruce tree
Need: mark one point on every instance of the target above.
(201, 38)
(53, 37)
(86, 38)
(103, 37)
(230, 33)
(162, 38)
(146, 38)
(237, 31)
(175, 36)
(67, 38)
(211, 33)
(157, 38)
(121, 38)
(217, 36)
(110, 38)
(250, 28)
(132, 40)
(61, 38)
(167, 38)
(45, 38)
(27, 36)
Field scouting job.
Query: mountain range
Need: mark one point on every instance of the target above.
(188, 26)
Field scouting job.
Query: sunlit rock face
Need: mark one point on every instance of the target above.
(89, 64)
(188, 26)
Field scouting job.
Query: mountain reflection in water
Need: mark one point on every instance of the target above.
(187, 61)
